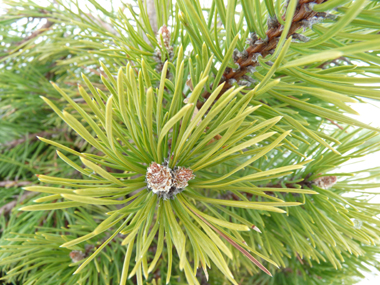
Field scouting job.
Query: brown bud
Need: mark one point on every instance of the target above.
(325, 181)
(76, 255)
(159, 178)
(256, 229)
(165, 36)
(167, 182)
(164, 31)
(182, 176)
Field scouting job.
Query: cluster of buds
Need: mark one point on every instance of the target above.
(163, 39)
(167, 182)
(325, 182)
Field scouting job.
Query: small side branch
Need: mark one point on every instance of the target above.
(336, 124)
(31, 137)
(263, 47)
(9, 183)
(7, 208)
(36, 33)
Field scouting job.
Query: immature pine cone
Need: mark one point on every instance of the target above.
(159, 178)
(182, 175)
(325, 181)
(167, 182)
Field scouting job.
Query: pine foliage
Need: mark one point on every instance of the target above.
(188, 144)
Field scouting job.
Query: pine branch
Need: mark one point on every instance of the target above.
(250, 155)
(263, 47)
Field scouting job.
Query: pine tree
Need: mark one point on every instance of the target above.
(171, 142)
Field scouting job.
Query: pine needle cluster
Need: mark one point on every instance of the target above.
(171, 142)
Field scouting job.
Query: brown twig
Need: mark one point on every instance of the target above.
(299, 258)
(96, 71)
(327, 63)
(10, 183)
(336, 124)
(7, 208)
(302, 183)
(105, 25)
(263, 47)
(19, 44)
(31, 137)
(45, 27)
